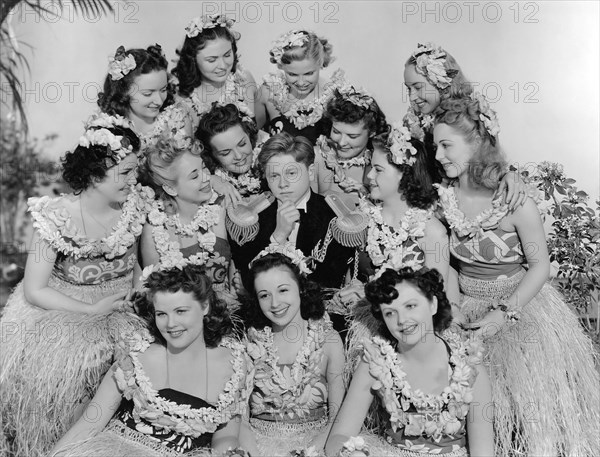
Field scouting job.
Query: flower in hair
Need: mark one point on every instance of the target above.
(486, 114)
(103, 120)
(104, 137)
(208, 21)
(289, 250)
(430, 61)
(288, 40)
(403, 152)
(120, 64)
(357, 96)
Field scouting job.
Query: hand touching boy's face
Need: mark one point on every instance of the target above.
(288, 179)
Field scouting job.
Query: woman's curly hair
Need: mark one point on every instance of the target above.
(85, 166)
(430, 284)
(488, 164)
(416, 184)
(219, 119)
(115, 98)
(187, 71)
(340, 109)
(154, 166)
(311, 299)
(193, 280)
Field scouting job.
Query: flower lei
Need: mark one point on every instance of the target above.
(357, 96)
(417, 124)
(170, 251)
(233, 92)
(301, 113)
(403, 152)
(486, 114)
(289, 250)
(55, 225)
(207, 21)
(487, 220)
(354, 443)
(170, 122)
(291, 39)
(386, 246)
(120, 64)
(275, 388)
(445, 411)
(148, 405)
(337, 165)
(430, 60)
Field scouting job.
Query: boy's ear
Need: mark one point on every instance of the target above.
(311, 172)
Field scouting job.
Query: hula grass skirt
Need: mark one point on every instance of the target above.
(545, 387)
(278, 438)
(118, 440)
(52, 362)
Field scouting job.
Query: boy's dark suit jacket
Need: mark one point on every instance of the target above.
(312, 230)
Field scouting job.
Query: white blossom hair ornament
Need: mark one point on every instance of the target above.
(353, 444)
(430, 60)
(487, 115)
(358, 96)
(286, 41)
(208, 21)
(103, 120)
(289, 250)
(120, 64)
(119, 146)
(403, 152)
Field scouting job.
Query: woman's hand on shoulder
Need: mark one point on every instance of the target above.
(514, 190)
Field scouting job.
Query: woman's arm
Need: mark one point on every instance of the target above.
(227, 437)
(147, 248)
(435, 246)
(260, 106)
(353, 411)
(40, 263)
(247, 438)
(527, 222)
(480, 430)
(96, 415)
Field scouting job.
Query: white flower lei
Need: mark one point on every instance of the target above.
(170, 251)
(247, 183)
(294, 111)
(182, 418)
(487, 220)
(305, 369)
(403, 152)
(207, 21)
(417, 124)
(103, 120)
(397, 394)
(170, 123)
(385, 245)
(54, 225)
(334, 163)
(233, 92)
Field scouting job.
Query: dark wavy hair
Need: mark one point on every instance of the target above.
(429, 282)
(219, 119)
(115, 98)
(193, 280)
(87, 165)
(340, 109)
(416, 184)
(311, 298)
(187, 71)
(488, 164)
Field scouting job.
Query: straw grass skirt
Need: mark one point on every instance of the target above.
(52, 362)
(545, 387)
(277, 439)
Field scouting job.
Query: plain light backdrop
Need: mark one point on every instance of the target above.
(538, 62)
